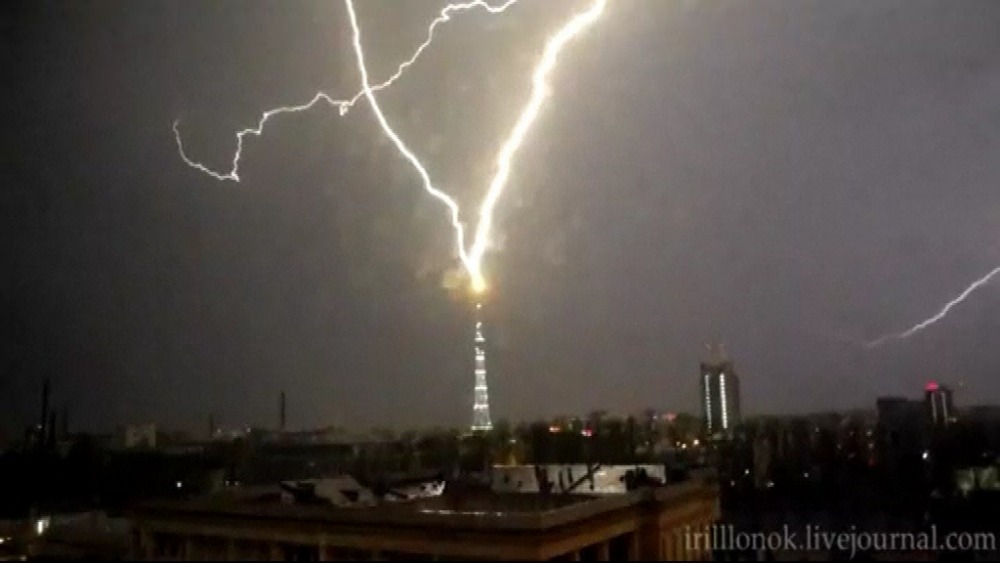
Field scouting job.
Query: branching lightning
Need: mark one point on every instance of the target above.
(400, 145)
(940, 315)
(472, 258)
(444, 16)
(234, 172)
(342, 105)
(471, 255)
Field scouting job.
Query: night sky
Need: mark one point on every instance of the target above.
(787, 177)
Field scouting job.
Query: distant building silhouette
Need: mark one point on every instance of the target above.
(900, 434)
(281, 413)
(64, 424)
(720, 393)
(43, 424)
(142, 436)
(895, 413)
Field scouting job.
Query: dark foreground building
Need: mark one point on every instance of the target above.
(646, 523)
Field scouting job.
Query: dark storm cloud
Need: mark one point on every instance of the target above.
(788, 177)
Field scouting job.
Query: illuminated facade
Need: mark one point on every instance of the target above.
(938, 401)
(720, 393)
(481, 405)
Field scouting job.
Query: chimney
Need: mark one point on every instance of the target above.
(50, 436)
(281, 420)
(64, 423)
(46, 391)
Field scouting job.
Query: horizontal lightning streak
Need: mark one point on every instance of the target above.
(940, 315)
(342, 105)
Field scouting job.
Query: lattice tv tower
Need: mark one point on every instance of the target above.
(481, 407)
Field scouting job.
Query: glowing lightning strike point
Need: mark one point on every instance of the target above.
(342, 105)
(941, 314)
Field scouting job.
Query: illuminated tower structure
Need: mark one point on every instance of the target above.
(481, 406)
(720, 391)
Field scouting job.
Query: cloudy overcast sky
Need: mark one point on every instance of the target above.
(789, 178)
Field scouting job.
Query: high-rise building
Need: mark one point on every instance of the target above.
(481, 405)
(900, 436)
(720, 393)
(896, 413)
(938, 404)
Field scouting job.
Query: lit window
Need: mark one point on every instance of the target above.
(708, 402)
(722, 399)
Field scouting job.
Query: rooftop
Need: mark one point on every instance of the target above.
(716, 355)
(460, 509)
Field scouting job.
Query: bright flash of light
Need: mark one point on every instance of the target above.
(478, 285)
(940, 315)
(472, 258)
(342, 105)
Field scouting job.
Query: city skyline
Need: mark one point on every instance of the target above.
(55, 414)
(760, 184)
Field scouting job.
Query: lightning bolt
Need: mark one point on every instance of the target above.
(367, 89)
(940, 315)
(342, 105)
(472, 258)
(539, 90)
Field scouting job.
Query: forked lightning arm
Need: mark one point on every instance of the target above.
(342, 105)
(473, 256)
